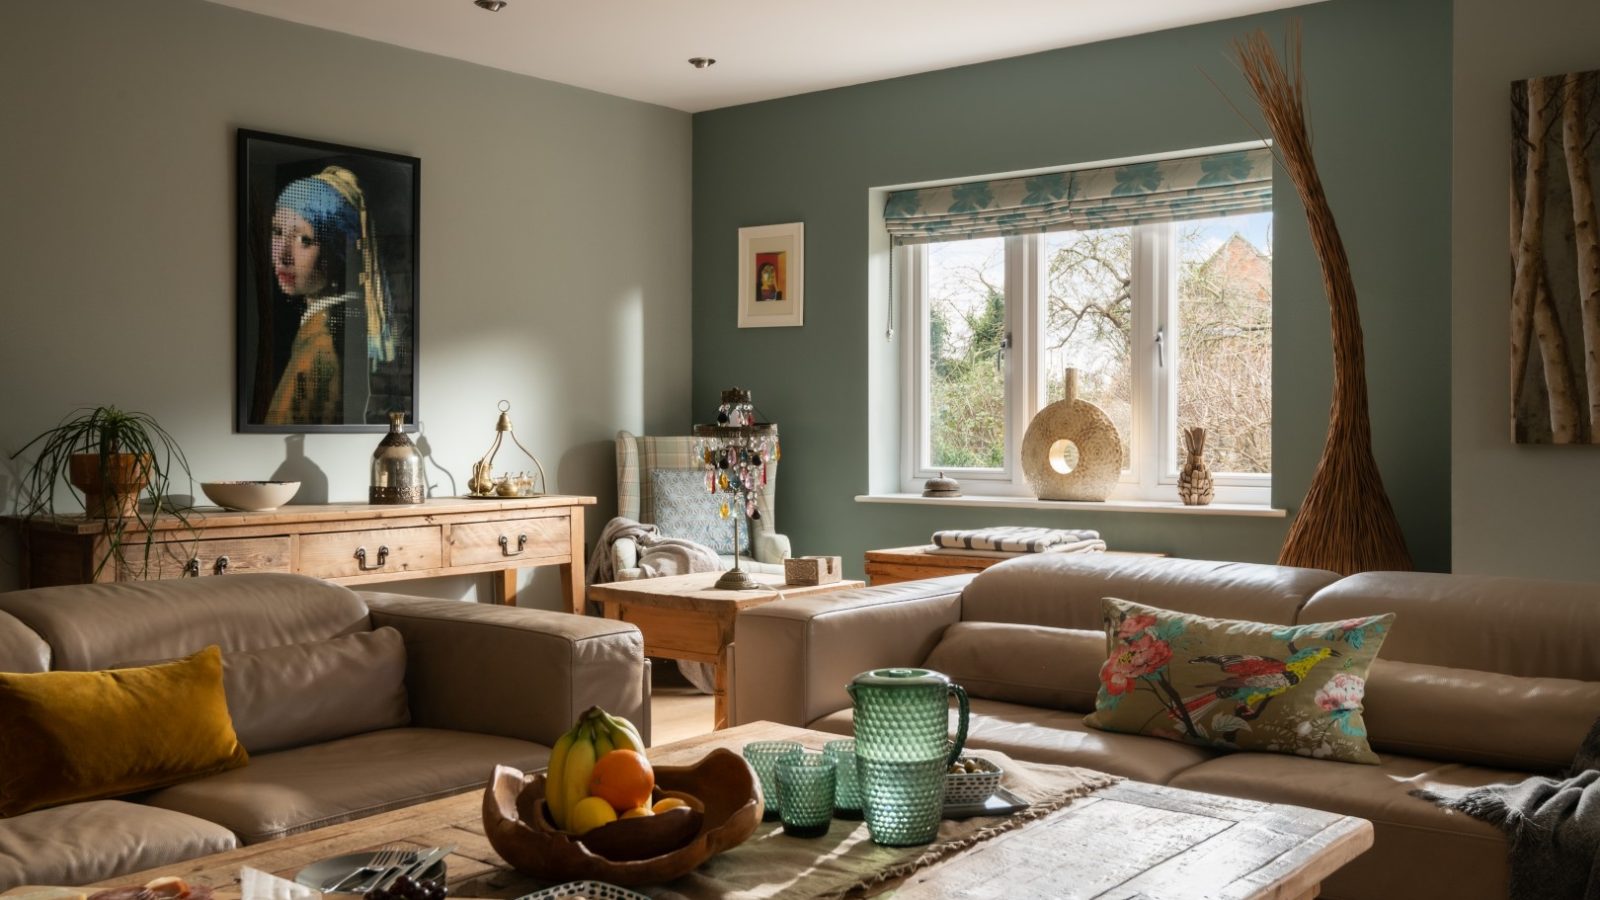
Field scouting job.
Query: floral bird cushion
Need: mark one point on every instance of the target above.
(1238, 685)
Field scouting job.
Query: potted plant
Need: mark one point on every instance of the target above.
(110, 459)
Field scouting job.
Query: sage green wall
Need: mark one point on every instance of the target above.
(555, 240)
(1379, 84)
(1518, 510)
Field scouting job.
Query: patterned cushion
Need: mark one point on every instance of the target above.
(1239, 685)
(685, 509)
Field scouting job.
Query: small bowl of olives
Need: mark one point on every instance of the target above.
(404, 888)
(971, 779)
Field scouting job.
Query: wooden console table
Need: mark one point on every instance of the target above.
(346, 543)
(915, 563)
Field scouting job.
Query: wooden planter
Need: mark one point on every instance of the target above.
(110, 490)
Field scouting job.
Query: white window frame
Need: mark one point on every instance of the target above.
(1152, 475)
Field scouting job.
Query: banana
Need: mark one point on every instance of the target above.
(623, 734)
(602, 741)
(579, 767)
(554, 783)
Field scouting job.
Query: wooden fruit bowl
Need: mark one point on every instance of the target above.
(725, 809)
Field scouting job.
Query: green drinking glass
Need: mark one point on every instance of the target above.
(763, 756)
(846, 781)
(805, 793)
(904, 800)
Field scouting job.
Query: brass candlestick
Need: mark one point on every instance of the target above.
(736, 451)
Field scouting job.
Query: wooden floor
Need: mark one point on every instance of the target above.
(677, 710)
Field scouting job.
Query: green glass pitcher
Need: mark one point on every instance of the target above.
(902, 727)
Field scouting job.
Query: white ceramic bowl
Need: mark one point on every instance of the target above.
(972, 787)
(254, 496)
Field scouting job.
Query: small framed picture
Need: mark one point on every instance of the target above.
(772, 275)
(327, 297)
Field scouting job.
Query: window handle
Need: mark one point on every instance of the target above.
(1161, 347)
(1000, 358)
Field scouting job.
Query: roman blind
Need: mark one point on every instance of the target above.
(1167, 190)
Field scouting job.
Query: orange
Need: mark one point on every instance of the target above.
(624, 779)
(666, 803)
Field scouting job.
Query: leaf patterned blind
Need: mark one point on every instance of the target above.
(1194, 187)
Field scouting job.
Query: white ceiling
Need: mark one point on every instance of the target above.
(638, 48)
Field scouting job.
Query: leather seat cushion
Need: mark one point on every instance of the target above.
(1051, 736)
(100, 839)
(296, 790)
(1420, 850)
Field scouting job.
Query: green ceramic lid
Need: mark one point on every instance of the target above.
(902, 678)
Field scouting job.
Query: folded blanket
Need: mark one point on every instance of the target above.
(658, 555)
(1553, 825)
(1094, 546)
(1013, 539)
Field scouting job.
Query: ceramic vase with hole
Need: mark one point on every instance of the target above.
(1071, 450)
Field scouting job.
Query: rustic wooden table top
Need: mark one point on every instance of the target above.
(695, 592)
(1130, 841)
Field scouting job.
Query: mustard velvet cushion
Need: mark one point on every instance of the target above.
(70, 736)
(1238, 685)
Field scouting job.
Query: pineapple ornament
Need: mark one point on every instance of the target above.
(1194, 478)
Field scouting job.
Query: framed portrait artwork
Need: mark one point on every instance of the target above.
(772, 275)
(327, 298)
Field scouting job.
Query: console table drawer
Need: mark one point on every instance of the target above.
(213, 556)
(339, 554)
(476, 543)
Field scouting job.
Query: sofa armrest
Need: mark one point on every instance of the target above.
(521, 673)
(770, 548)
(793, 658)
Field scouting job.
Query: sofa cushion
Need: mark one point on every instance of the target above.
(1238, 685)
(1465, 715)
(282, 697)
(1421, 851)
(684, 509)
(1054, 668)
(1461, 621)
(1050, 736)
(98, 626)
(1064, 590)
(70, 736)
(21, 648)
(291, 791)
(100, 839)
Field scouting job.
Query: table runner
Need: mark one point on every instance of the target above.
(845, 862)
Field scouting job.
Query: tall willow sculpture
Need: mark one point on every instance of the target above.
(1346, 523)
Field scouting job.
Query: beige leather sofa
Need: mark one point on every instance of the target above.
(484, 685)
(1481, 680)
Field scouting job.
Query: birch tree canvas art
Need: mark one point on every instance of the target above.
(1555, 255)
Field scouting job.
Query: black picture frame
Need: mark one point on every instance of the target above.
(318, 225)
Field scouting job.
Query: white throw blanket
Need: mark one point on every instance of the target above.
(659, 556)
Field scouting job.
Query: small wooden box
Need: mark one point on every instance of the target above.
(812, 570)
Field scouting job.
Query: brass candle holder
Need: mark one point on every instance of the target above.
(484, 483)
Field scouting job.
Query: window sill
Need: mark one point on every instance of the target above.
(1165, 507)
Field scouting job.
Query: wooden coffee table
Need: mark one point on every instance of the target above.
(684, 617)
(897, 564)
(1129, 840)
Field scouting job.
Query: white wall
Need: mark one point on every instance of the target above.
(555, 239)
(1516, 510)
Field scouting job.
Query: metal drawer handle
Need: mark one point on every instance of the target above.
(522, 544)
(191, 569)
(361, 557)
(221, 566)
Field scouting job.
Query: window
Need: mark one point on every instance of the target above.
(1169, 323)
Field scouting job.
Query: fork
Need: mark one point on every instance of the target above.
(386, 858)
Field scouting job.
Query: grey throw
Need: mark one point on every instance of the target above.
(1553, 825)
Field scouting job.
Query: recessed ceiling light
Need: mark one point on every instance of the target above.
(491, 5)
(701, 62)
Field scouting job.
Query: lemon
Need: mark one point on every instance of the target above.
(588, 814)
(666, 803)
(637, 812)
